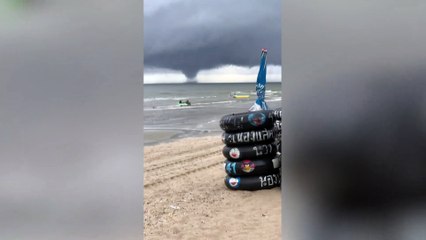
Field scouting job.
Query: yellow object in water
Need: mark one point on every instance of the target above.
(241, 96)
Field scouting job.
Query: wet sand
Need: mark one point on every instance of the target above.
(185, 196)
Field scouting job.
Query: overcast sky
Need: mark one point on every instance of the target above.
(210, 41)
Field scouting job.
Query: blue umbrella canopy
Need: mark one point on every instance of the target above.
(260, 103)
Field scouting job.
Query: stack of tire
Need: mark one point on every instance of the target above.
(252, 149)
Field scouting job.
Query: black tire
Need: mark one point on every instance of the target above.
(252, 167)
(248, 121)
(252, 152)
(251, 137)
(253, 183)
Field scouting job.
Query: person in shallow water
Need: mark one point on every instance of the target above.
(185, 102)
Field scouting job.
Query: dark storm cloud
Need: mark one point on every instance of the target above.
(193, 35)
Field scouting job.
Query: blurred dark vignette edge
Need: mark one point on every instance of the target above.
(360, 134)
(71, 118)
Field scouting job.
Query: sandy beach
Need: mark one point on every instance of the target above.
(185, 196)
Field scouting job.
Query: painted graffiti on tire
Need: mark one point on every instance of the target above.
(234, 182)
(263, 149)
(256, 119)
(269, 180)
(234, 153)
(230, 168)
(247, 166)
(247, 137)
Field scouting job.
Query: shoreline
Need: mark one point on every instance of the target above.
(185, 196)
(155, 136)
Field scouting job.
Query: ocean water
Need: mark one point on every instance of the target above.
(165, 120)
